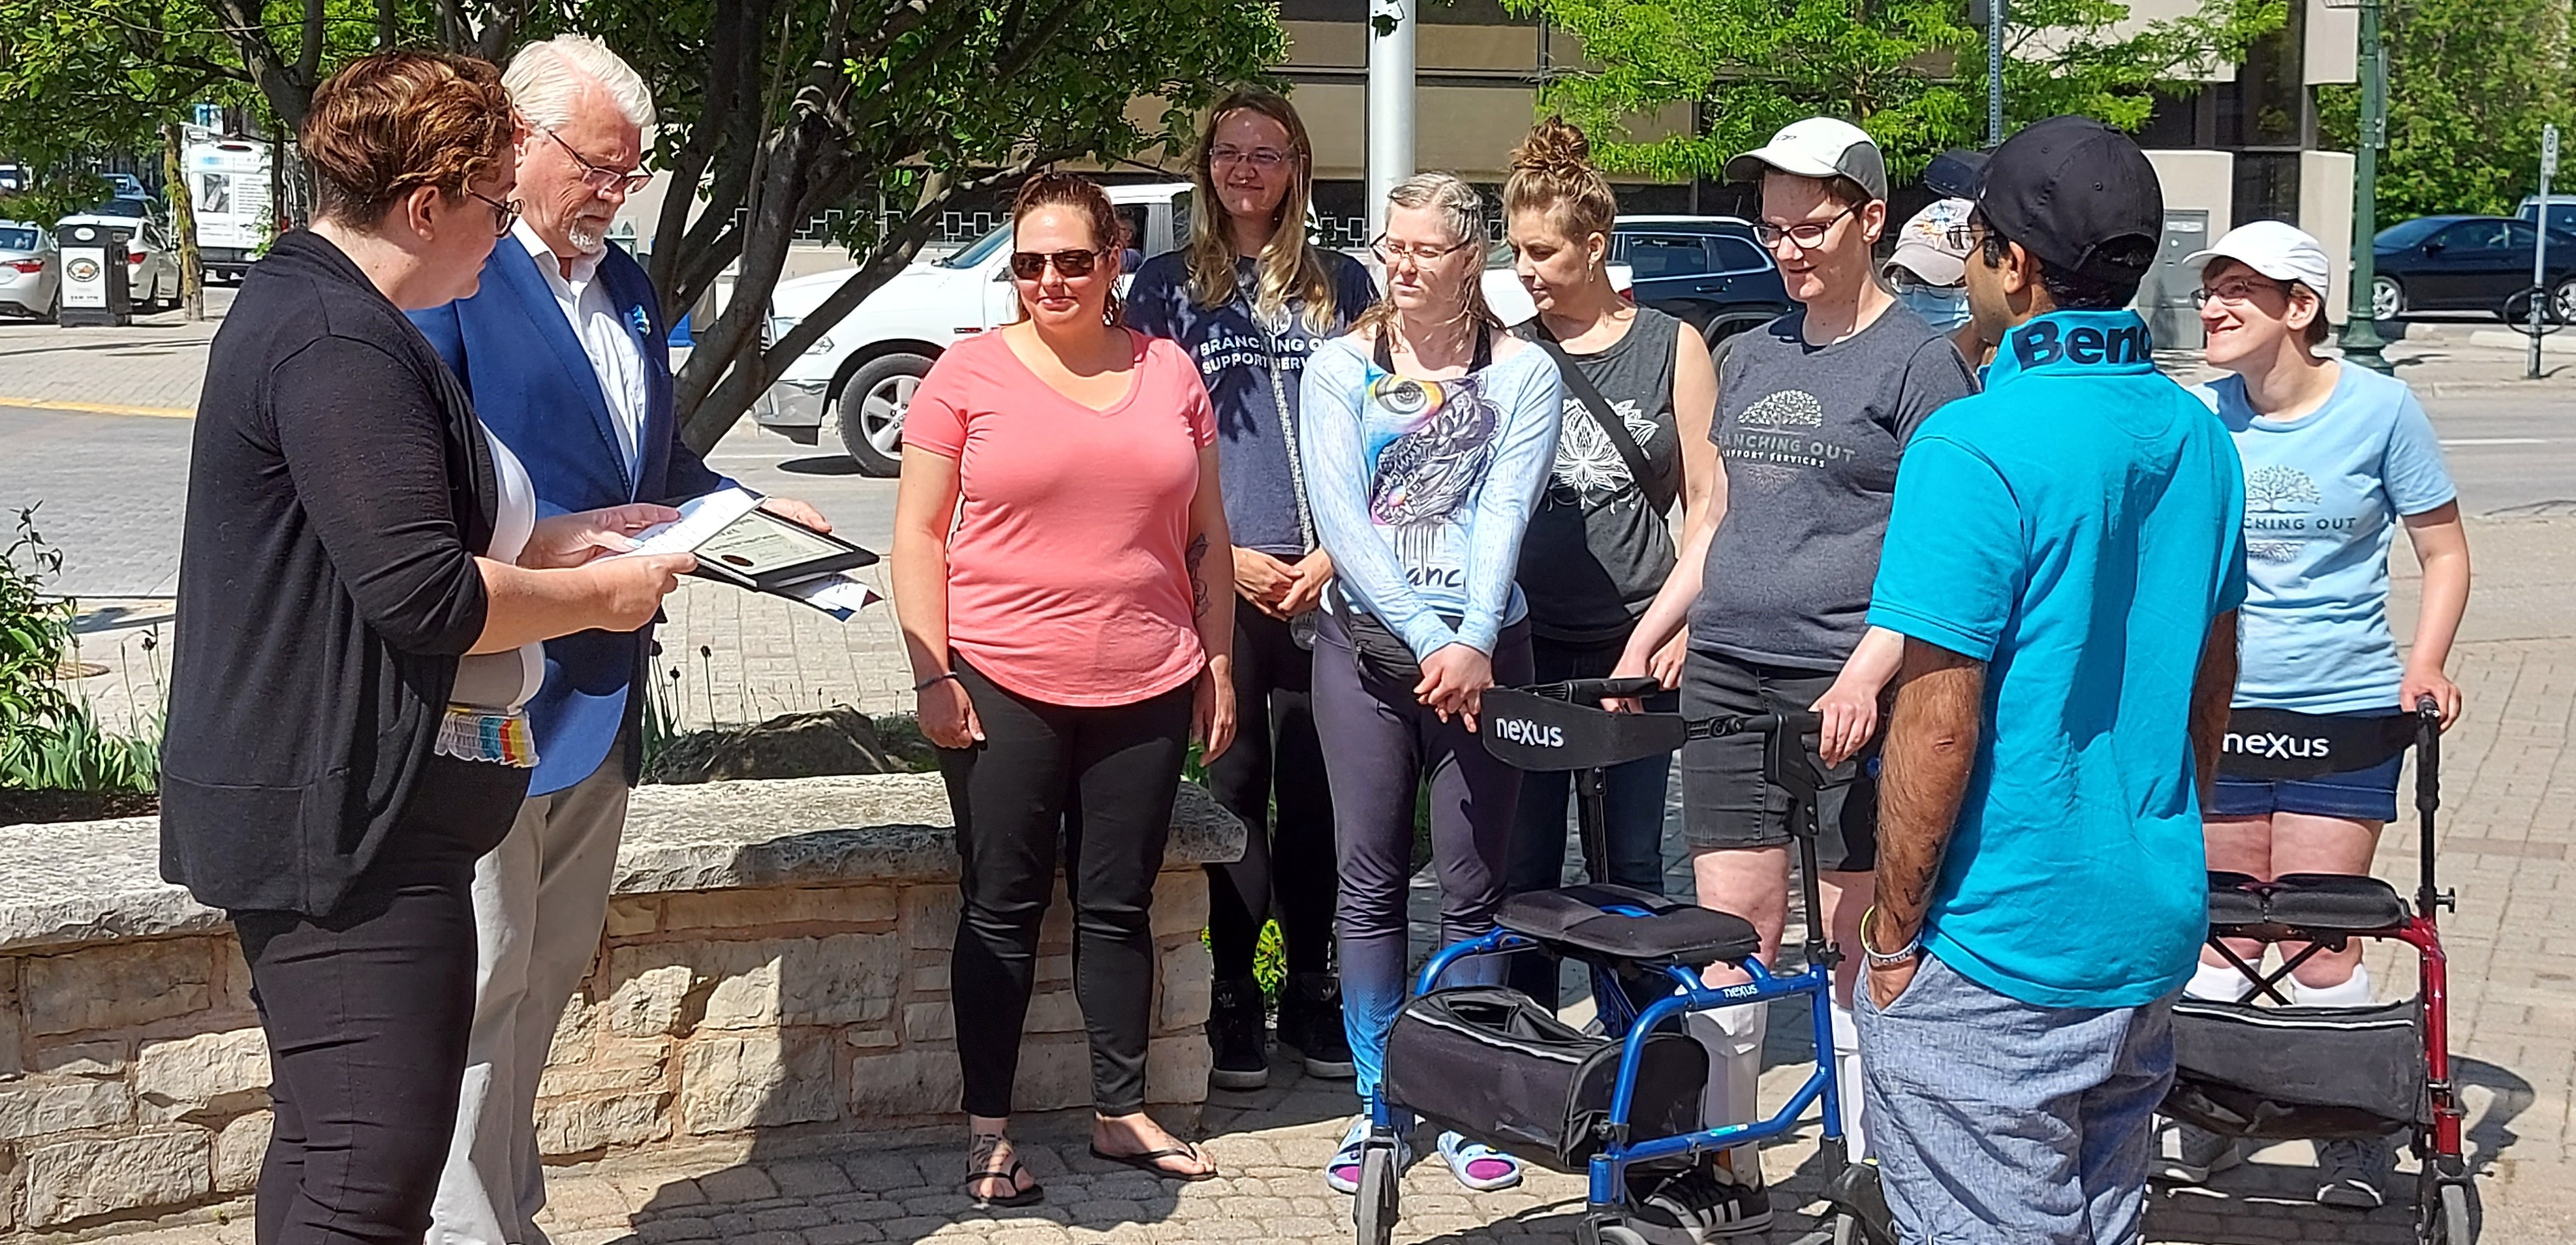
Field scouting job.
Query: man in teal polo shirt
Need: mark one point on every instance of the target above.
(2065, 559)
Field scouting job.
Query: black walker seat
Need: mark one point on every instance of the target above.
(1598, 923)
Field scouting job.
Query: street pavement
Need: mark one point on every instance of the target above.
(94, 425)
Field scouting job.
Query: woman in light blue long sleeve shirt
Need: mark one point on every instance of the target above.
(1428, 435)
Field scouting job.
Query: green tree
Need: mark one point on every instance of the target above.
(893, 111)
(2470, 84)
(1911, 72)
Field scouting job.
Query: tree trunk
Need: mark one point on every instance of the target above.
(183, 221)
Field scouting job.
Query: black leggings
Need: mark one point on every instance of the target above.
(1275, 757)
(1105, 776)
(367, 1011)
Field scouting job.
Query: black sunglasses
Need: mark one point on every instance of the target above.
(1031, 265)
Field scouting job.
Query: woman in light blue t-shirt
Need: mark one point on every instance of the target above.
(2336, 459)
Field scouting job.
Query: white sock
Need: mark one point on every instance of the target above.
(2221, 983)
(1733, 1036)
(2354, 992)
(1847, 1074)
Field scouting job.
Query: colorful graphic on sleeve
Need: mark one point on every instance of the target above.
(1429, 444)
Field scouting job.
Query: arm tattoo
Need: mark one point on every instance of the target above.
(1196, 555)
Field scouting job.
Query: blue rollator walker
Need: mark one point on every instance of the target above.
(1500, 1068)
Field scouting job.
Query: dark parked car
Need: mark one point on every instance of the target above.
(2469, 263)
(1704, 270)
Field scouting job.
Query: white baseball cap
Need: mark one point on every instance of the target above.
(1923, 244)
(1817, 147)
(2280, 251)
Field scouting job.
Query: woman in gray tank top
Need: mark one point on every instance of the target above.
(1633, 438)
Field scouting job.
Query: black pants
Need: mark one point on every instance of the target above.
(367, 1011)
(1288, 845)
(1105, 777)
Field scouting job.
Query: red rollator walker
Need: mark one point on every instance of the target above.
(2262, 1070)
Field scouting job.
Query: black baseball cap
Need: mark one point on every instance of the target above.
(2079, 195)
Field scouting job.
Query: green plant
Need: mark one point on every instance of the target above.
(48, 740)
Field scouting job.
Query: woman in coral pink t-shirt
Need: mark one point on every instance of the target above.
(1057, 532)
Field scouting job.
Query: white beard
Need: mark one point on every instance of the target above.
(584, 239)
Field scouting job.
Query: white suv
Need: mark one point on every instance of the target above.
(863, 371)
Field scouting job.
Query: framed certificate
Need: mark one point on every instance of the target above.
(766, 552)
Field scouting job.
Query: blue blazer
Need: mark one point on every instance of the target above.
(534, 388)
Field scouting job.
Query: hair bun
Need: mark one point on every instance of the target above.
(1554, 145)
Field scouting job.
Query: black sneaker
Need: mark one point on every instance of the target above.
(1694, 1206)
(1236, 1034)
(1310, 1020)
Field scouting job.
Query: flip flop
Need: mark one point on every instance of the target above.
(1009, 1174)
(1478, 1166)
(1150, 1163)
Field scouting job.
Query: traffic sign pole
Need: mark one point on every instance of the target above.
(2540, 296)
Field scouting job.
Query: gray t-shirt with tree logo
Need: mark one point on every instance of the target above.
(1810, 437)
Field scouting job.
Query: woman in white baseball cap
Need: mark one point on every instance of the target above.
(2336, 457)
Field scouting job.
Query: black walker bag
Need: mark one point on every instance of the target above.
(2274, 1073)
(1493, 1064)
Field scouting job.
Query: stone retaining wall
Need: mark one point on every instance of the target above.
(776, 957)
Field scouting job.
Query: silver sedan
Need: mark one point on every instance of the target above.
(30, 270)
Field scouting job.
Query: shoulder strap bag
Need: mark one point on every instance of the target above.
(1658, 493)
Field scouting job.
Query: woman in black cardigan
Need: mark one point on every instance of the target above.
(363, 585)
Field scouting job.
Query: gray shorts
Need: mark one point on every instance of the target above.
(1998, 1121)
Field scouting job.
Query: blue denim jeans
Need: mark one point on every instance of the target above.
(1998, 1121)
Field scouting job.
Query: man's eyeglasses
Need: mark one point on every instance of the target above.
(1265, 159)
(1031, 265)
(1807, 234)
(603, 180)
(504, 215)
(1421, 253)
(2239, 292)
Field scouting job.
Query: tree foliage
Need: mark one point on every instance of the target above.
(2470, 84)
(893, 110)
(1911, 72)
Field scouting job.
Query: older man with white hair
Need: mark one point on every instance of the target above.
(566, 353)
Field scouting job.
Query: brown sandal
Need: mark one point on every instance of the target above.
(979, 1157)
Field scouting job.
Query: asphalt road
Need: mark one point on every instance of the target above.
(111, 487)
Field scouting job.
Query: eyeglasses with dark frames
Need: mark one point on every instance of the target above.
(600, 179)
(1808, 234)
(504, 215)
(1069, 264)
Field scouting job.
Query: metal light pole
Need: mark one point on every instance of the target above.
(1390, 103)
(1994, 73)
(2361, 340)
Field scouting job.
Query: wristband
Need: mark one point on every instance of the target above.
(1887, 959)
(934, 680)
